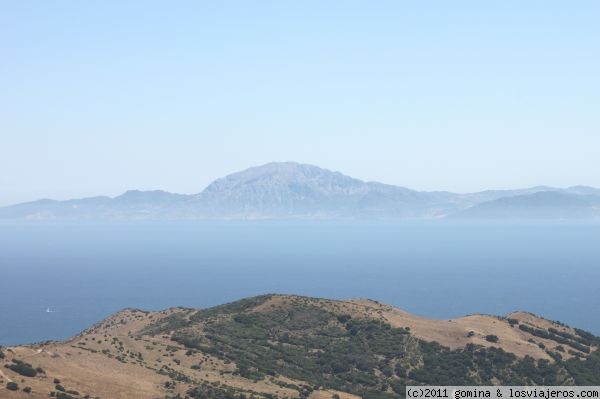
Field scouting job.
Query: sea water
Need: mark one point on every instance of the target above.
(85, 271)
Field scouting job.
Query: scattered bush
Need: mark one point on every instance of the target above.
(491, 338)
(12, 386)
(22, 368)
(581, 343)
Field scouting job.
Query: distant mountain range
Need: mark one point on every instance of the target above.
(293, 190)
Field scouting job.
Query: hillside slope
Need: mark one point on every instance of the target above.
(276, 346)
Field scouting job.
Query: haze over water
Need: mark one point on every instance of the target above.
(84, 272)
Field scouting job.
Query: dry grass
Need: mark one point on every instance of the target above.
(330, 394)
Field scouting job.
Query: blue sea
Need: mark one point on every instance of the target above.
(83, 272)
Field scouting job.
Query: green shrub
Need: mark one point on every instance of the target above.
(12, 386)
(22, 368)
(491, 338)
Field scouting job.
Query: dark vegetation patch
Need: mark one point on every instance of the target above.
(12, 386)
(169, 323)
(22, 368)
(491, 338)
(578, 342)
(214, 391)
(369, 358)
(585, 372)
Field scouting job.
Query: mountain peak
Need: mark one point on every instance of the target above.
(281, 188)
(298, 190)
(281, 171)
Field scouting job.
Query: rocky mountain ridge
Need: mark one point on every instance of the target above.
(299, 191)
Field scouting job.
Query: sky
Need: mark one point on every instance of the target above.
(99, 97)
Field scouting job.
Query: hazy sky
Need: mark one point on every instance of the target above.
(97, 97)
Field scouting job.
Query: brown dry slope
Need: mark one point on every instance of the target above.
(136, 354)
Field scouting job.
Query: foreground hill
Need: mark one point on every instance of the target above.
(276, 346)
(293, 190)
